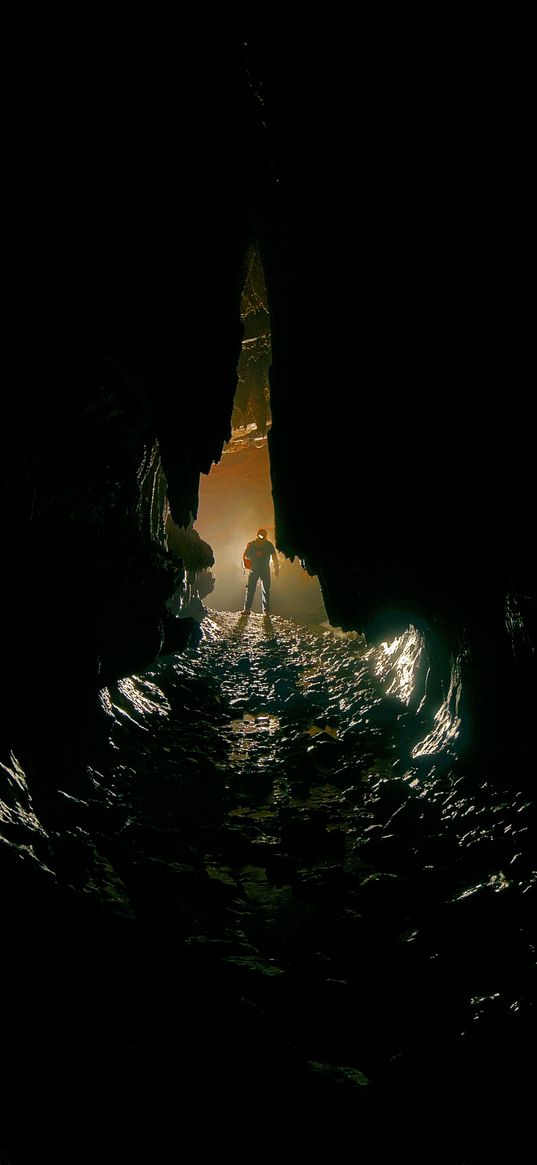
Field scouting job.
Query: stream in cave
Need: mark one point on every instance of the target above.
(289, 863)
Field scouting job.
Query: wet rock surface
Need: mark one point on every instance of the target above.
(276, 916)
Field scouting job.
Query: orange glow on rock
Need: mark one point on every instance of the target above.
(235, 500)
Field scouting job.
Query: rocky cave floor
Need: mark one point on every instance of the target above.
(264, 926)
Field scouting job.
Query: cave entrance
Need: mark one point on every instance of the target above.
(236, 496)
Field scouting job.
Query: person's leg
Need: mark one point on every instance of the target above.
(250, 590)
(265, 590)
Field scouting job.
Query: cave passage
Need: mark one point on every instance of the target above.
(268, 884)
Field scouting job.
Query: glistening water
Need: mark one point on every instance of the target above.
(337, 915)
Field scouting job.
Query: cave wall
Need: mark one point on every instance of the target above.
(395, 252)
(128, 225)
(395, 243)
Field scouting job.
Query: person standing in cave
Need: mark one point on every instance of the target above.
(256, 559)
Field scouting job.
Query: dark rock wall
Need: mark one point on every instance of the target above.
(395, 245)
(385, 173)
(400, 305)
(127, 227)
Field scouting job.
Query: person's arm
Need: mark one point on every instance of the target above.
(274, 557)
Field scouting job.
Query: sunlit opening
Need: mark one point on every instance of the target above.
(235, 504)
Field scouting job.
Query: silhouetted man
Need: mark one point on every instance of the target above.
(256, 559)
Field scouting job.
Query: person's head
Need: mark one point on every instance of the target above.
(261, 533)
